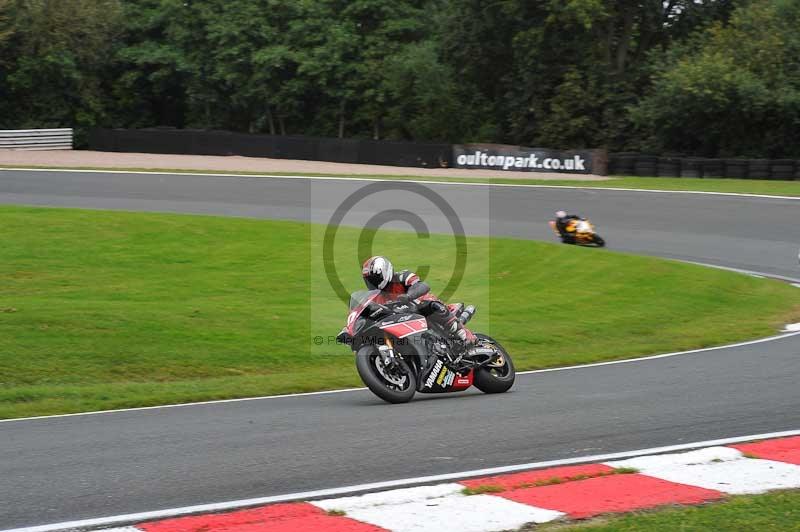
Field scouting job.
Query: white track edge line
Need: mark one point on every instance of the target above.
(419, 181)
(663, 355)
(374, 486)
(177, 405)
(760, 275)
(344, 390)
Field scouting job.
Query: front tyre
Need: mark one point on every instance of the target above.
(392, 384)
(499, 376)
(599, 241)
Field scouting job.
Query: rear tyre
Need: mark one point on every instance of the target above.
(393, 385)
(495, 379)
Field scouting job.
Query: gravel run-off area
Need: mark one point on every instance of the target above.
(98, 159)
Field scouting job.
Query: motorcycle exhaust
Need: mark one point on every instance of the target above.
(466, 314)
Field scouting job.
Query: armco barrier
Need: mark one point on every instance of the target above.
(203, 142)
(36, 139)
(632, 164)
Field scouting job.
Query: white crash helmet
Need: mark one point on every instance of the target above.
(377, 272)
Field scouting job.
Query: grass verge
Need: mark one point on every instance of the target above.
(738, 186)
(491, 488)
(102, 310)
(778, 511)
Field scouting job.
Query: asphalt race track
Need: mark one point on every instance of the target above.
(69, 468)
(740, 232)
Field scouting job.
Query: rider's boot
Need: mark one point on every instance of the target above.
(460, 334)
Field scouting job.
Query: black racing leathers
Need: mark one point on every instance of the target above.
(408, 284)
(561, 225)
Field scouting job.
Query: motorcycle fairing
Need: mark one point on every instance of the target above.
(441, 379)
(463, 382)
(356, 309)
(582, 230)
(405, 328)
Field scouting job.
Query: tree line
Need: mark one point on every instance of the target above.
(698, 77)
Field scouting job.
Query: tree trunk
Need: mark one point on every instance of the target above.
(651, 29)
(624, 41)
(282, 124)
(376, 128)
(341, 119)
(270, 120)
(609, 41)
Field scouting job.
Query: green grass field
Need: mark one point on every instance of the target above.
(104, 310)
(739, 186)
(776, 512)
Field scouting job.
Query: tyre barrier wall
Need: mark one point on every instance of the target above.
(635, 164)
(204, 142)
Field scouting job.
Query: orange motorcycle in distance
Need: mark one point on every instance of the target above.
(579, 231)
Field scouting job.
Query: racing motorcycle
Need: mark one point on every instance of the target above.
(582, 230)
(398, 353)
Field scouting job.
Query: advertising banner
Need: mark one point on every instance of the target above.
(522, 159)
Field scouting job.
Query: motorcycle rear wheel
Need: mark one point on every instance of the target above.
(495, 379)
(367, 361)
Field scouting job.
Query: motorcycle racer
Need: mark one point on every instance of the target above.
(562, 221)
(379, 274)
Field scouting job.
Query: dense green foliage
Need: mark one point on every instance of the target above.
(734, 90)
(711, 77)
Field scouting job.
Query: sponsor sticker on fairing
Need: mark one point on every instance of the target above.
(434, 373)
(445, 378)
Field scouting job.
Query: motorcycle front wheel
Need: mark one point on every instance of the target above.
(599, 241)
(393, 384)
(499, 376)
